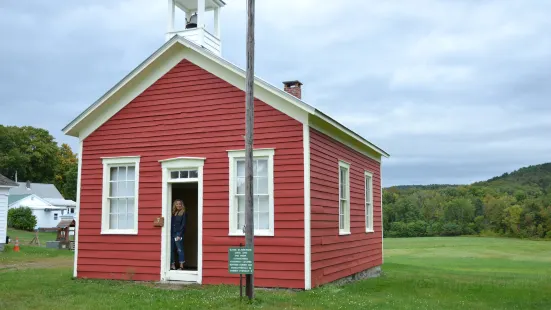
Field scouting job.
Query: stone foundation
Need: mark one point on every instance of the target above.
(1, 247)
(368, 273)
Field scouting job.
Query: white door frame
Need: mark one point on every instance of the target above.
(168, 165)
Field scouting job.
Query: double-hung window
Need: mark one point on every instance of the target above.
(263, 192)
(120, 195)
(344, 198)
(368, 202)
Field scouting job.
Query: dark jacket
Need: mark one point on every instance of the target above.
(178, 225)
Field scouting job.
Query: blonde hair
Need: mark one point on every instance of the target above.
(175, 211)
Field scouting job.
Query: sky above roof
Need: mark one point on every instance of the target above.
(455, 91)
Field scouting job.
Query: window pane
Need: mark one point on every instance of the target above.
(130, 203)
(113, 206)
(241, 204)
(113, 174)
(122, 206)
(130, 221)
(184, 174)
(261, 185)
(113, 221)
(240, 168)
(126, 189)
(241, 185)
(341, 221)
(264, 220)
(261, 168)
(263, 204)
(174, 174)
(121, 173)
(131, 173)
(193, 174)
(122, 222)
(113, 189)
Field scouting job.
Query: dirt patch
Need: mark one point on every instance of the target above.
(55, 262)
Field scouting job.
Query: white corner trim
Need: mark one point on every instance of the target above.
(307, 209)
(109, 162)
(382, 230)
(233, 156)
(346, 230)
(368, 212)
(77, 213)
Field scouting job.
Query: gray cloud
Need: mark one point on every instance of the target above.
(456, 91)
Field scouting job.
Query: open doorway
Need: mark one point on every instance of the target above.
(188, 193)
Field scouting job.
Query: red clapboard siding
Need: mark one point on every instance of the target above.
(334, 256)
(191, 112)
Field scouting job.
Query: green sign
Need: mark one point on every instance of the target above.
(241, 260)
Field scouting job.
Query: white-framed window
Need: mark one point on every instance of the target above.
(344, 198)
(184, 174)
(55, 216)
(368, 201)
(120, 195)
(263, 192)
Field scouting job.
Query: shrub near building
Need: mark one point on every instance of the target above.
(21, 218)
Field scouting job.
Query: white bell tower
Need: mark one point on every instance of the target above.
(195, 29)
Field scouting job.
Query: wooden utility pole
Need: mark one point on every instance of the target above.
(249, 126)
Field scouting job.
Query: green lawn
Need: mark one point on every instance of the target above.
(26, 236)
(419, 273)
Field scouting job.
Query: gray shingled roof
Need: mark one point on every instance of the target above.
(6, 182)
(39, 189)
(14, 198)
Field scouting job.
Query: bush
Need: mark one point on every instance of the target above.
(451, 229)
(21, 218)
(434, 229)
(398, 229)
(417, 229)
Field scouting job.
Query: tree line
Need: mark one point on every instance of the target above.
(35, 156)
(516, 205)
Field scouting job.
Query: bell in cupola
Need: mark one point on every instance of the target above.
(192, 22)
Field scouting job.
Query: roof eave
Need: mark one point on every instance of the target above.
(69, 129)
(351, 133)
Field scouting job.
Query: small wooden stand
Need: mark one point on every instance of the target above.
(35, 240)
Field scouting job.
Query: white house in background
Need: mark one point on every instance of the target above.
(5, 185)
(45, 201)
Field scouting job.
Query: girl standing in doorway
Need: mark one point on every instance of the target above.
(178, 228)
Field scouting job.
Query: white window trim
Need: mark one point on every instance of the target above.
(233, 155)
(369, 212)
(108, 162)
(346, 230)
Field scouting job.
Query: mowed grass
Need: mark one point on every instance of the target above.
(26, 236)
(419, 273)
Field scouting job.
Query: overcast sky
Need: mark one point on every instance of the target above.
(456, 91)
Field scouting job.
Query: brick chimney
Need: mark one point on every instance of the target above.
(293, 88)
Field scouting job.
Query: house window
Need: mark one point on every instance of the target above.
(263, 192)
(55, 216)
(368, 202)
(72, 210)
(184, 174)
(344, 198)
(120, 195)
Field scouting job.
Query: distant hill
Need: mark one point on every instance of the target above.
(531, 176)
(516, 204)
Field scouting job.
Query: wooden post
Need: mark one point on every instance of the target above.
(249, 126)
